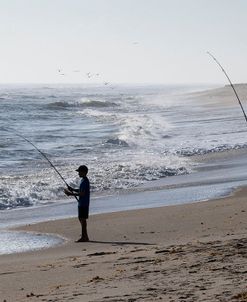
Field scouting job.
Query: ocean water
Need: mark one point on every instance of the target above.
(19, 242)
(126, 135)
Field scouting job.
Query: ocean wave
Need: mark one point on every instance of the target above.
(143, 129)
(116, 141)
(204, 151)
(126, 136)
(31, 97)
(99, 115)
(96, 103)
(84, 103)
(152, 173)
(124, 176)
(26, 193)
(58, 105)
(45, 187)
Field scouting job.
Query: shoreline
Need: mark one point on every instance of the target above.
(224, 171)
(45, 226)
(216, 176)
(195, 250)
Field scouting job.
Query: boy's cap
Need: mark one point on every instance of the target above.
(82, 168)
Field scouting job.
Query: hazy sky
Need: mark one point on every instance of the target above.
(163, 41)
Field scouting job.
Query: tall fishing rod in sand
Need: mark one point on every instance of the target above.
(42, 153)
(233, 88)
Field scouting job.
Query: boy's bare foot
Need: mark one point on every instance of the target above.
(82, 240)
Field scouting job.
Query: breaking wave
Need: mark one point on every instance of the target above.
(84, 103)
(204, 151)
(116, 141)
(127, 136)
(45, 187)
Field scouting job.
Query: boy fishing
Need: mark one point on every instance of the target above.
(84, 199)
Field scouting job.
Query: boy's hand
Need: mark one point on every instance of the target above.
(67, 192)
(70, 188)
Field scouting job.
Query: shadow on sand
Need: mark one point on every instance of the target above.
(121, 242)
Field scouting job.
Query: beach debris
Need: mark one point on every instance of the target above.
(171, 250)
(30, 295)
(80, 265)
(33, 295)
(101, 254)
(162, 251)
(240, 297)
(96, 279)
(151, 289)
(157, 261)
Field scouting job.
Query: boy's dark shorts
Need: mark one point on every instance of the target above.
(83, 212)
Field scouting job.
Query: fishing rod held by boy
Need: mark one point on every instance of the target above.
(42, 153)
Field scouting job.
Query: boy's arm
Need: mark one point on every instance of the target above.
(76, 193)
(73, 190)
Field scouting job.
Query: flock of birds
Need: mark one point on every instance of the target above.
(89, 75)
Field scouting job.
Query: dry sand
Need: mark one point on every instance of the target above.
(193, 252)
(220, 96)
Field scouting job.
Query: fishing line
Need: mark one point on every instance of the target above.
(217, 62)
(42, 153)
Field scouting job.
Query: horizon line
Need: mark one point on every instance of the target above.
(115, 83)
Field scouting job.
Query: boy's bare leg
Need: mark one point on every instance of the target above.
(84, 235)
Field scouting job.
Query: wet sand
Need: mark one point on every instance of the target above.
(192, 252)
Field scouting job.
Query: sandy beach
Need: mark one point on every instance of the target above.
(192, 252)
(151, 98)
(221, 96)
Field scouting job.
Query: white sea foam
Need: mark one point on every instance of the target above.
(19, 242)
(143, 129)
